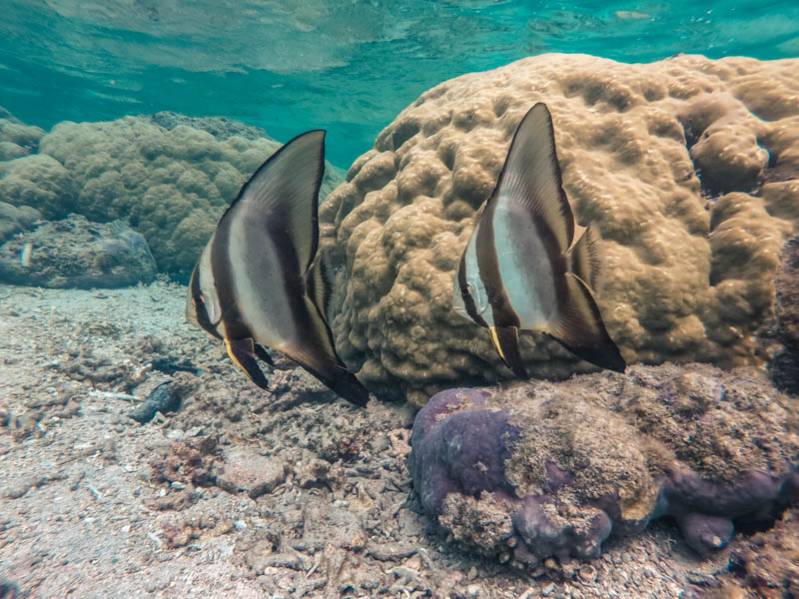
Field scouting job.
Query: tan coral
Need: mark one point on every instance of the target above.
(688, 174)
(172, 184)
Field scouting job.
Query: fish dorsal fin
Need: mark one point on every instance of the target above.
(531, 176)
(284, 192)
(584, 257)
(579, 327)
(319, 286)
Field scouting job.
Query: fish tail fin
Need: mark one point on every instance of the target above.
(580, 328)
(506, 342)
(243, 353)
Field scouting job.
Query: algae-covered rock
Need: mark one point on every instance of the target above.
(553, 469)
(767, 564)
(14, 219)
(687, 168)
(77, 253)
(39, 181)
(17, 139)
(168, 175)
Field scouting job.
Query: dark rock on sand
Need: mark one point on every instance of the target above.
(166, 397)
(75, 252)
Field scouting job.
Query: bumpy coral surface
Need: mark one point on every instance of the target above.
(166, 174)
(17, 139)
(14, 219)
(686, 167)
(553, 469)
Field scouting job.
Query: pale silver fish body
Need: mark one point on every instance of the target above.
(524, 266)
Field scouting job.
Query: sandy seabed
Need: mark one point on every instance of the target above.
(239, 493)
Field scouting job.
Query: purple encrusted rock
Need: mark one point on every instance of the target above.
(545, 469)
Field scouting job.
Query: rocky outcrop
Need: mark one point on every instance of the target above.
(543, 469)
(76, 253)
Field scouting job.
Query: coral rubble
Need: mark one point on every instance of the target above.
(552, 469)
(688, 168)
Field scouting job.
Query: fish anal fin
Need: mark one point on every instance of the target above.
(243, 352)
(506, 342)
(581, 330)
(583, 257)
(332, 373)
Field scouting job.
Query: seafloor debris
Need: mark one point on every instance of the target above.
(165, 398)
(545, 470)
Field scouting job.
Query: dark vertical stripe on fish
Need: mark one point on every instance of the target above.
(468, 300)
(200, 309)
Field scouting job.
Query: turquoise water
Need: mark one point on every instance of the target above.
(348, 66)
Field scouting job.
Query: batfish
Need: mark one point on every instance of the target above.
(259, 284)
(528, 264)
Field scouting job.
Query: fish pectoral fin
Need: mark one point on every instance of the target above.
(506, 342)
(243, 352)
(580, 328)
(318, 285)
(583, 257)
(332, 373)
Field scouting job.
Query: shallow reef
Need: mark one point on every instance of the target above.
(688, 168)
(168, 175)
(539, 470)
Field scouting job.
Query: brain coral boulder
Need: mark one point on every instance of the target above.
(686, 167)
(169, 175)
(552, 469)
